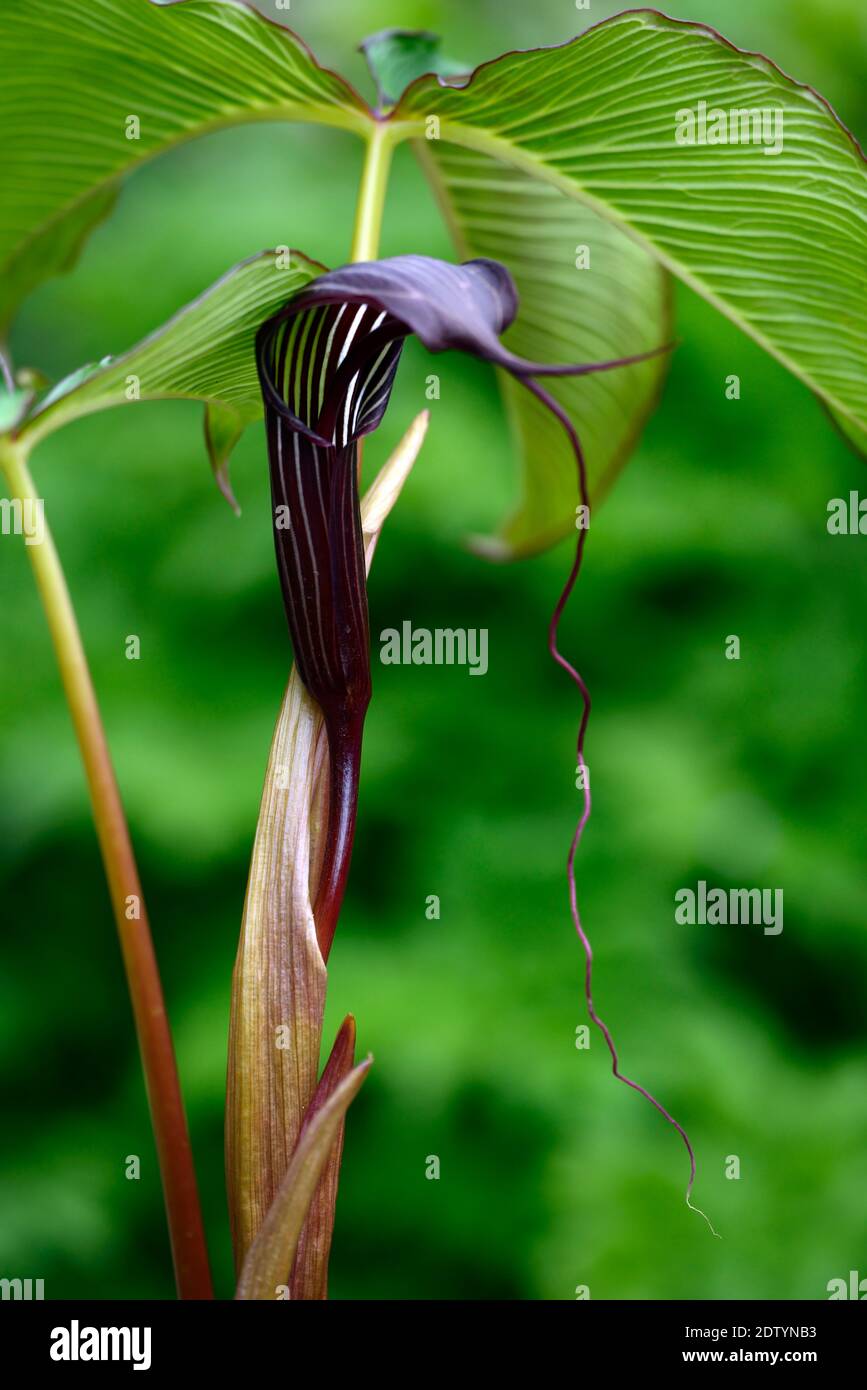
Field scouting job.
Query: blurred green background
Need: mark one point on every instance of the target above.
(744, 773)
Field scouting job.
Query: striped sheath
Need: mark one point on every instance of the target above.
(326, 367)
(326, 374)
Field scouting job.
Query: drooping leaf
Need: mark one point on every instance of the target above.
(205, 352)
(269, 1260)
(595, 119)
(279, 977)
(49, 250)
(224, 425)
(618, 302)
(776, 241)
(77, 79)
(397, 57)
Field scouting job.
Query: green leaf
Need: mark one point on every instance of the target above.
(205, 352)
(775, 241)
(224, 425)
(270, 1257)
(47, 251)
(618, 305)
(70, 383)
(13, 406)
(76, 79)
(397, 57)
(853, 434)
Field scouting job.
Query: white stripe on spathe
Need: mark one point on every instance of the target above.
(353, 329)
(327, 358)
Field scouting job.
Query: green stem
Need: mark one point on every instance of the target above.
(186, 1231)
(371, 194)
(370, 205)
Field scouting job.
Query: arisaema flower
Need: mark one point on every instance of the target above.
(327, 363)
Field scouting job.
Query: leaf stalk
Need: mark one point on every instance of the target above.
(371, 193)
(186, 1231)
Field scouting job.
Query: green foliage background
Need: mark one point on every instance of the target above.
(748, 773)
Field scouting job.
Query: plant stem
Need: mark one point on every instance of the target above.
(370, 205)
(371, 194)
(186, 1231)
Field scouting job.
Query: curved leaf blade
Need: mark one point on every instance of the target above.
(852, 434)
(50, 251)
(205, 352)
(775, 242)
(75, 79)
(618, 305)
